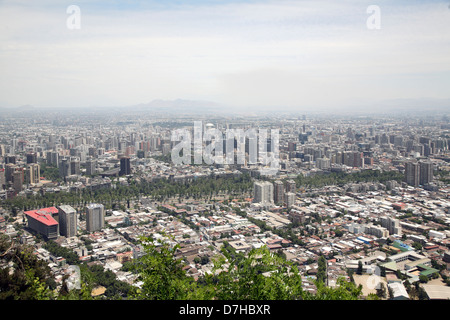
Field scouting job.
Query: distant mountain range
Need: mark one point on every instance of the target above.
(178, 106)
(423, 106)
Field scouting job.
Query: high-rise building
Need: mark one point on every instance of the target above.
(377, 231)
(353, 159)
(64, 168)
(75, 166)
(392, 225)
(426, 172)
(55, 159)
(125, 166)
(263, 192)
(412, 173)
(90, 167)
(10, 159)
(289, 199)
(2, 179)
(291, 186)
(278, 195)
(93, 152)
(95, 217)
(33, 173)
(18, 179)
(31, 157)
(67, 221)
(9, 170)
(323, 163)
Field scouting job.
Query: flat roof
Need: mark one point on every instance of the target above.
(52, 210)
(437, 291)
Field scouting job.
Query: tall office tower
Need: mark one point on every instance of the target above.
(358, 159)
(426, 172)
(2, 179)
(31, 157)
(303, 137)
(18, 179)
(412, 173)
(290, 199)
(75, 166)
(13, 147)
(263, 192)
(10, 159)
(54, 159)
(392, 225)
(291, 186)
(398, 141)
(64, 168)
(90, 167)
(95, 217)
(93, 152)
(323, 163)
(65, 142)
(67, 221)
(278, 195)
(125, 167)
(48, 157)
(33, 173)
(51, 141)
(9, 170)
(292, 146)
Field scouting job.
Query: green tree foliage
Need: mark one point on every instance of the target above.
(343, 291)
(341, 178)
(49, 172)
(259, 275)
(96, 275)
(360, 268)
(162, 189)
(322, 270)
(58, 251)
(162, 273)
(28, 278)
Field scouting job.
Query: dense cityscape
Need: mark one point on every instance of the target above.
(218, 159)
(359, 199)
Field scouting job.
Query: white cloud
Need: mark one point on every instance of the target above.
(266, 53)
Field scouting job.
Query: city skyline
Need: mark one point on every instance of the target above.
(241, 54)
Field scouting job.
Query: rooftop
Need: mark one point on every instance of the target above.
(43, 215)
(437, 292)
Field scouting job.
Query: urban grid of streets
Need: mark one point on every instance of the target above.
(402, 223)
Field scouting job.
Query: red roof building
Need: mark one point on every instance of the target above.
(42, 221)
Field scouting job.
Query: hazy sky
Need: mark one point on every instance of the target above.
(242, 53)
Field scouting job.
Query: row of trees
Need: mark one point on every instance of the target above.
(165, 189)
(162, 189)
(342, 178)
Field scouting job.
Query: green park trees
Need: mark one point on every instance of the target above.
(259, 275)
